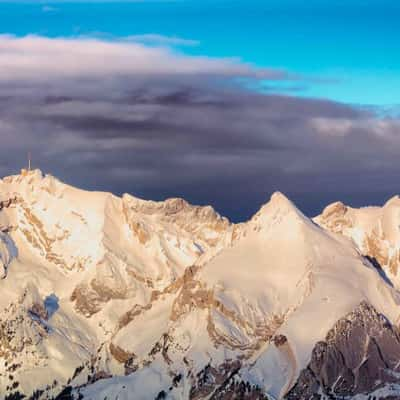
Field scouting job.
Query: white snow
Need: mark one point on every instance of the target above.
(279, 273)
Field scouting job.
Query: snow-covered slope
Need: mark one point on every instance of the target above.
(375, 231)
(107, 297)
(252, 313)
(96, 255)
(286, 269)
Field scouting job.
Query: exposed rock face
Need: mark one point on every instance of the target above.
(240, 391)
(360, 355)
(209, 379)
(120, 355)
(232, 387)
(203, 223)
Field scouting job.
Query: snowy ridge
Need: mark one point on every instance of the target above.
(97, 254)
(374, 230)
(128, 298)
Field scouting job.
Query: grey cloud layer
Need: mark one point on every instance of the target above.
(158, 124)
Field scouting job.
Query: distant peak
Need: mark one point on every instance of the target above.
(393, 201)
(25, 175)
(337, 208)
(280, 199)
(278, 203)
(31, 172)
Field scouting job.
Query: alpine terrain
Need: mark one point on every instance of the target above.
(112, 298)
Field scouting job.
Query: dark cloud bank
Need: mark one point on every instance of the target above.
(189, 131)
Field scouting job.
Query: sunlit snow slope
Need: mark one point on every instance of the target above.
(374, 230)
(123, 298)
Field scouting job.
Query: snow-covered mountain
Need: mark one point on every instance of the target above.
(122, 298)
(374, 230)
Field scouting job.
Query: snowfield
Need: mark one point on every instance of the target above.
(124, 298)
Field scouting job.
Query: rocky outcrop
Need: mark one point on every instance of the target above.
(202, 223)
(209, 379)
(360, 354)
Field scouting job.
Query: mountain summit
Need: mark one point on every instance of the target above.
(125, 298)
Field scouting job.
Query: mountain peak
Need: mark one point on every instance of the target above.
(279, 198)
(31, 172)
(278, 204)
(24, 176)
(393, 201)
(146, 284)
(337, 208)
(279, 201)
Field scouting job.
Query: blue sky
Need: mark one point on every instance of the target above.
(344, 50)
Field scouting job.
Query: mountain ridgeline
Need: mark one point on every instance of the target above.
(112, 298)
